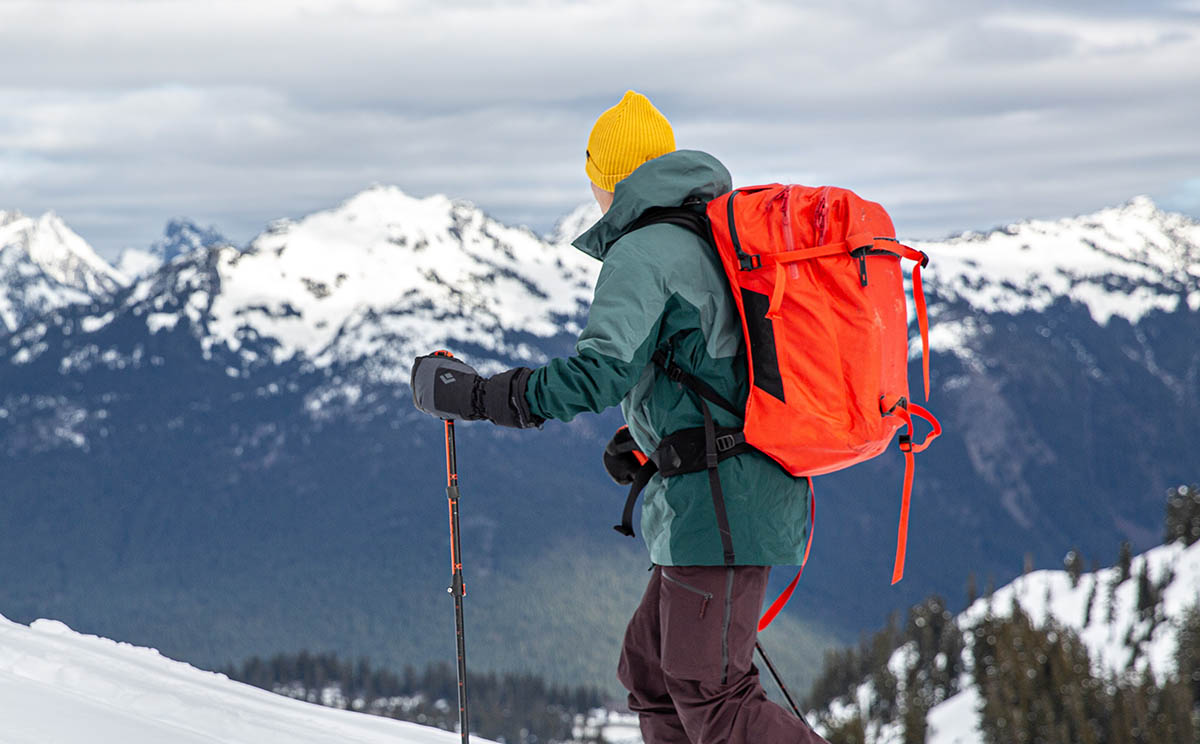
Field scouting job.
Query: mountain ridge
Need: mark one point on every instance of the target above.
(44, 265)
(1123, 261)
(180, 237)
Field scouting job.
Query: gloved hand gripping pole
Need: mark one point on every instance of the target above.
(457, 586)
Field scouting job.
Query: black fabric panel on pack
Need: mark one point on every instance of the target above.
(762, 342)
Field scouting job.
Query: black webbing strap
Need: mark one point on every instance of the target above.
(689, 219)
(714, 483)
(640, 479)
(693, 383)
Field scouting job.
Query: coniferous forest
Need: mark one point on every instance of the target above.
(1037, 682)
(511, 708)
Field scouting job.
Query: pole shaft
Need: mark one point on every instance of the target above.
(779, 681)
(458, 587)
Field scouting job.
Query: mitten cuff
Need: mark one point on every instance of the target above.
(503, 398)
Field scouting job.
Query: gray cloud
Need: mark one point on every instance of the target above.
(120, 114)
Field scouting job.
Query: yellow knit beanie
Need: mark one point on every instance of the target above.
(624, 137)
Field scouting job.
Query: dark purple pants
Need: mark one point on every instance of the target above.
(688, 664)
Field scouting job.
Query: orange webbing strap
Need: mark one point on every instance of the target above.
(908, 448)
(902, 532)
(919, 300)
(777, 292)
(769, 616)
(806, 253)
(923, 324)
(921, 413)
(787, 257)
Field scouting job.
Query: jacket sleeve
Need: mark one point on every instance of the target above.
(616, 346)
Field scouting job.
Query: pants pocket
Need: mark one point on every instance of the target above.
(692, 620)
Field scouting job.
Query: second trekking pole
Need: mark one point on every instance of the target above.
(458, 587)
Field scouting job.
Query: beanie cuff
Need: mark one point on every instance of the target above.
(604, 181)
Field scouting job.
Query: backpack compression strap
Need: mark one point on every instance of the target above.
(906, 411)
(919, 301)
(640, 479)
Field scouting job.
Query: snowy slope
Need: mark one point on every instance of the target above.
(1128, 643)
(574, 224)
(1106, 641)
(62, 687)
(1122, 262)
(44, 265)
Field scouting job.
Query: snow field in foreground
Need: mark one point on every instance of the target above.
(58, 686)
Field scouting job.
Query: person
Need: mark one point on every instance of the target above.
(687, 653)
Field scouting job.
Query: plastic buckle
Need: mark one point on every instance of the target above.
(906, 443)
(750, 262)
(726, 442)
(901, 402)
(924, 259)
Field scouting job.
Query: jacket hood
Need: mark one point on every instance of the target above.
(666, 181)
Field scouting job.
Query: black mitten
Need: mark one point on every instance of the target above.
(622, 459)
(444, 387)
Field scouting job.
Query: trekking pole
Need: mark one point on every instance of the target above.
(458, 587)
(779, 681)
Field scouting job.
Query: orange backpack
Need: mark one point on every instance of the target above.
(816, 278)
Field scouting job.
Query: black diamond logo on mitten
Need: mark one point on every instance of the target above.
(447, 378)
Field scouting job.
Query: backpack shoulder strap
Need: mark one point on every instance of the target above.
(677, 374)
(689, 217)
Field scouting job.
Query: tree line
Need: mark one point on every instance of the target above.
(509, 708)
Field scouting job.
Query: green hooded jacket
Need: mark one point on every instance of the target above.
(663, 285)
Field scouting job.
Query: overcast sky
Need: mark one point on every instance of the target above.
(956, 114)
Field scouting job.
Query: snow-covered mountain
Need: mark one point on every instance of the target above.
(1121, 262)
(58, 686)
(181, 236)
(44, 265)
(1103, 610)
(574, 223)
(386, 276)
(375, 281)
